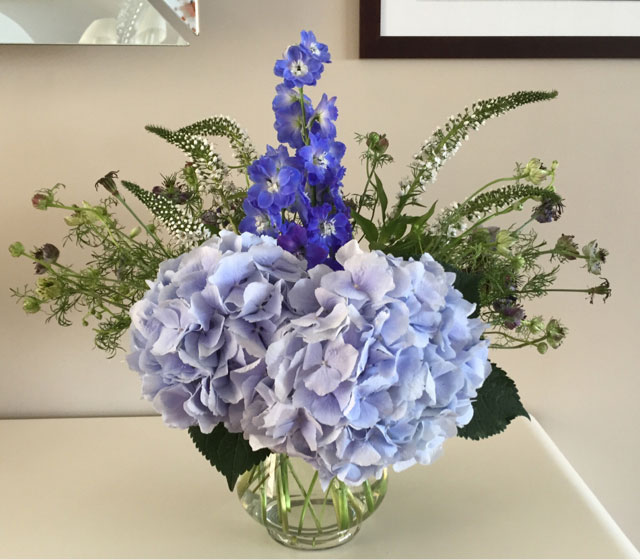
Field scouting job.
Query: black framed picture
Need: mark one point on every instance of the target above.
(499, 29)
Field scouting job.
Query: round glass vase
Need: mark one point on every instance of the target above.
(284, 495)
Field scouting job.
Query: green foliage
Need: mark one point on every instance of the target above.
(112, 280)
(446, 141)
(229, 453)
(496, 405)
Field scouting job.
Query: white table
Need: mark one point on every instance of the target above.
(130, 487)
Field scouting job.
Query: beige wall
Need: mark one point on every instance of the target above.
(70, 114)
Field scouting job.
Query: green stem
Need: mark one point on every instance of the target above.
(282, 499)
(368, 495)
(307, 499)
(285, 481)
(143, 225)
(304, 493)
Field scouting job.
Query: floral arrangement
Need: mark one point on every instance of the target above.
(270, 312)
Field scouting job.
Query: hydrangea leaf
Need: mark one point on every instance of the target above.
(229, 453)
(496, 405)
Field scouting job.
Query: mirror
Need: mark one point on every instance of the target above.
(98, 22)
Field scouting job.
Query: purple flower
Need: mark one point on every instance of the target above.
(512, 313)
(321, 156)
(328, 229)
(290, 123)
(324, 117)
(299, 67)
(319, 51)
(259, 221)
(275, 182)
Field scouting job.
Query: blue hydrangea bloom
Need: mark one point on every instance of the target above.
(201, 333)
(378, 370)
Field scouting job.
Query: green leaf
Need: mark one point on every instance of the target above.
(496, 405)
(419, 223)
(382, 196)
(367, 226)
(229, 453)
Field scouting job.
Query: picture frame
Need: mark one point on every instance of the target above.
(374, 43)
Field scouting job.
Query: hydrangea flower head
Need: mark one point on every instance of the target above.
(200, 334)
(378, 370)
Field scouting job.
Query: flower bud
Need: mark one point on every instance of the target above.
(542, 347)
(209, 218)
(108, 182)
(40, 201)
(535, 171)
(594, 256)
(377, 143)
(504, 240)
(31, 305)
(566, 248)
(556, 333)
(48, 288)
(135, 232)
(16, 249)
(536, 325)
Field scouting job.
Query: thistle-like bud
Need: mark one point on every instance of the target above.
(48, 253)
(536, 325)
(512, 313)
(549, 211)
(16, 249)
(566, 248)
(209, 218)
(594, 256)
(556, 333)
(535, 171)
(603, 289)
(377, 143)
(31, 305)
(504, 240)
(48, 288)
(108, 182)
(40, 201)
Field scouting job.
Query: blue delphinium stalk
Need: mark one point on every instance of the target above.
(303, 189)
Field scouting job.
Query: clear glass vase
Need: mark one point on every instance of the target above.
(284, 495)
